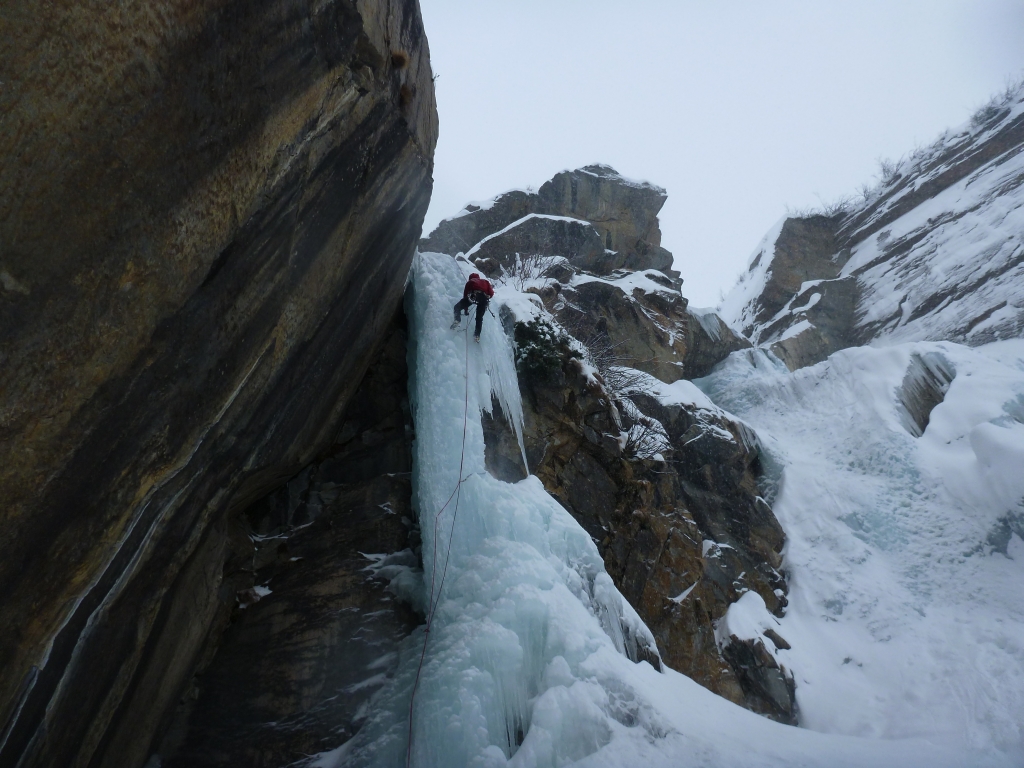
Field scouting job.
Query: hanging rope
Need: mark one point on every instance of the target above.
(432, 602)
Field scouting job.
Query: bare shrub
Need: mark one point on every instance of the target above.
(997, 106)
(866, 192)
(838, 207)
(597, 347)
(644, 439)
(1014, 89)
(524, 269)
(888, 169)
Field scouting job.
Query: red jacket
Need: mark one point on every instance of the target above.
(477, 283)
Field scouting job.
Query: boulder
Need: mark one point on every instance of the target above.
(651, 330)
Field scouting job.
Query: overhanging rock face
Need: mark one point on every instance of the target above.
(205, 226)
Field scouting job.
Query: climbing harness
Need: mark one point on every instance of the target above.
(431, 602)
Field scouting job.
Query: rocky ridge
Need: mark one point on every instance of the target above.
(621, 212)
(933, 252)
(670, 487)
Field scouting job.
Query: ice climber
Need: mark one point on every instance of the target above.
(477, 291)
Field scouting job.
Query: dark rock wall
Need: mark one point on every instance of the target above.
(833, 319)
(294, 673)
(207, 213)
(804, 250)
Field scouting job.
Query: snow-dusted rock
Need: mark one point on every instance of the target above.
(623, 212)
(933, 253)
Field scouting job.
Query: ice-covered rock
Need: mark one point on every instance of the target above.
(653, 471)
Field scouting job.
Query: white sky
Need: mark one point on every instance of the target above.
(737, 108)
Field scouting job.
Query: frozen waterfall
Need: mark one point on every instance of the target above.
(528, 660)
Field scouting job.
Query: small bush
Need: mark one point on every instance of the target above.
(889, 170)
(644, 439)
(540, 350)
(525, 269)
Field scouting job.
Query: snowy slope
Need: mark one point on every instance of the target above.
(904, 557)
(528, 656)
(905, 560)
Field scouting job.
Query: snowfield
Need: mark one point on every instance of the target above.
(904, 554)
(528, 660)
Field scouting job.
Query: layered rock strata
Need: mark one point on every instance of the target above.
(205, 227)
(906, 262)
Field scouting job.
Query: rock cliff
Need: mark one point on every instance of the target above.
(314, 629)
(932, 252)
(207, 214)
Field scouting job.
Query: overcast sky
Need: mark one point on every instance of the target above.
(739, 109)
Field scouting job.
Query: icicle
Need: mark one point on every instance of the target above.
(504, 381)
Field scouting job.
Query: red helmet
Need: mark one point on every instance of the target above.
(475, 274)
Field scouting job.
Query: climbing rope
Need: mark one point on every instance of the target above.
(431, 602)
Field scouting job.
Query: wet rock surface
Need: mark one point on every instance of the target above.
(205, 228)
